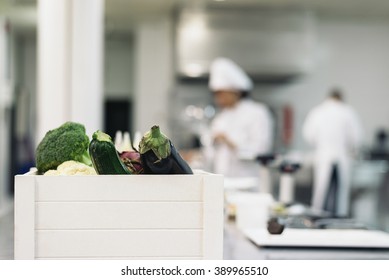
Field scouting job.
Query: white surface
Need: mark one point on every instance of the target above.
(252, 209)
(97, 215)
(24, 238)
(342, 238)
(87, 65)
(118, 243)
(153, 73)
(240, 183)
(287, 188)
(266, 184)
(119, 216)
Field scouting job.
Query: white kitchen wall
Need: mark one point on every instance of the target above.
(352, 55)
(26, 81)
(5, 102)
(119, 67)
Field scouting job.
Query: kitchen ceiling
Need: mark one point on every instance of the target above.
(125, 14)
(139, 8)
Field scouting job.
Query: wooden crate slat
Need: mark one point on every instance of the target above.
(117, 243)
(119, 188)
(119, 215)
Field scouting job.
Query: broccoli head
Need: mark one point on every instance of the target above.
(67, 142)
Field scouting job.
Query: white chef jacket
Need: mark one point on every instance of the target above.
(334, 131)
(249, 126)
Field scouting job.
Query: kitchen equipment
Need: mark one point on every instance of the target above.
(265, 184)
(287, 182)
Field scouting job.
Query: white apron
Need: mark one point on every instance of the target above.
(249, 126)
(333, 129)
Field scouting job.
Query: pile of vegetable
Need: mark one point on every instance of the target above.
(67, 150)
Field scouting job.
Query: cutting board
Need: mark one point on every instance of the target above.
(335, 238)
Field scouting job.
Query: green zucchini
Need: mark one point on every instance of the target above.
(105, 158)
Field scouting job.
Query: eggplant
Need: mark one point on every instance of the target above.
(159, 156)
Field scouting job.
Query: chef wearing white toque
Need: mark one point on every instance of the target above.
(242, 129)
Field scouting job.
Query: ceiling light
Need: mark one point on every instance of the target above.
(194, 70)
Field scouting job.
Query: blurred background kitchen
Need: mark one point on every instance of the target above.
(126, 65)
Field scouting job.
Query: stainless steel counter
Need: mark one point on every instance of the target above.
(237, 246)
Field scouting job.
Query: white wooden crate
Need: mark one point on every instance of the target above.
(119, 217)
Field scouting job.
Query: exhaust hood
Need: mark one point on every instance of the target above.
(267, 44)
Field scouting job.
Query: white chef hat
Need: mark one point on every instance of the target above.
(226, 75)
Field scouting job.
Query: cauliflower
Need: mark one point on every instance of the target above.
(71, 167)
